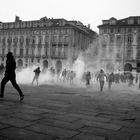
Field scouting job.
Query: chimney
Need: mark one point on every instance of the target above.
(17, 19)
(89, 26)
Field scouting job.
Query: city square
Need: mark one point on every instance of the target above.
(70, 70)
(68, 112)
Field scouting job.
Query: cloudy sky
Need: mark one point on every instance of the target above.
(87, 11)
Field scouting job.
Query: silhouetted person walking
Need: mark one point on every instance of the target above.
(10, 75)
(110, 80)
(101, 76)
(88, 78)
(37, 72)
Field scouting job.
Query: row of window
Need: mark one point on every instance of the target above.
(128, 39)
(118, 30)
(62, 51)
(32, 40)
(34, 32)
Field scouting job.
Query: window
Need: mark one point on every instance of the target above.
(105, 31)
(118, 30)
(66, 38)
(15, 41)
(46, 45)
(3, 52)
(59, 49)
(15, 51)
(21, 52)
(118, 40)
(21, 41)
(33, 40)
(53, 49)
(54, 38)
(138, 54)
(129, 30)
(27, 51)
(47, 39)
(130, 21)
(46, 51)
(138, 39)
(3, 41)
(65, 49)
(111, 30)
(111, 39)
(39, 40)
(9, 41)
(129, 39)
(129, 53)
(27, 41)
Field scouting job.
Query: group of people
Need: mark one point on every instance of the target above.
(110, 78)
(69, 75)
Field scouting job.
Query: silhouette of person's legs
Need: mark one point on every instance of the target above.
(15, 85)
(101, 85)
(3, 83)
(33, 79)
(37, 76)
(36, 80)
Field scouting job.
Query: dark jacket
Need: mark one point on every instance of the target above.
(10, 67)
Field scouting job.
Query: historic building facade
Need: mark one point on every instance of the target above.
(50, 42)
(120, 43)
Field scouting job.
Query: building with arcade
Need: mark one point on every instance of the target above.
(47, 41)
(120, 43)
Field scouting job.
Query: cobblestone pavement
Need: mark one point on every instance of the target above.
(60, 113)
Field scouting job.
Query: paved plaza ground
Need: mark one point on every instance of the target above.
(54, 112)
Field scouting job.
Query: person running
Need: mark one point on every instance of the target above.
(37, 73)
(10, 75)
(101, 77)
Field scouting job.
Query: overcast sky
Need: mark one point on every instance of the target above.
(87, 11)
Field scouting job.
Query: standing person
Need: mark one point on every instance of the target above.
(37, 72)
(10, 75)
(131, 78)
(101, 76)
(88, 78)
(138, 80)
(110, 80)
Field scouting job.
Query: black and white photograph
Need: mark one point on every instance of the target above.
(70, 70)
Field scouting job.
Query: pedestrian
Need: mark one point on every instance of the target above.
(131, 78)
(37, 73)
(10, 75)
(101, 77)
(110, 80)
(139, 81)
(136, 78)
(88, 78)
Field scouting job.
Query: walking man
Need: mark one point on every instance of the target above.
(10, 75)
(101, 76)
